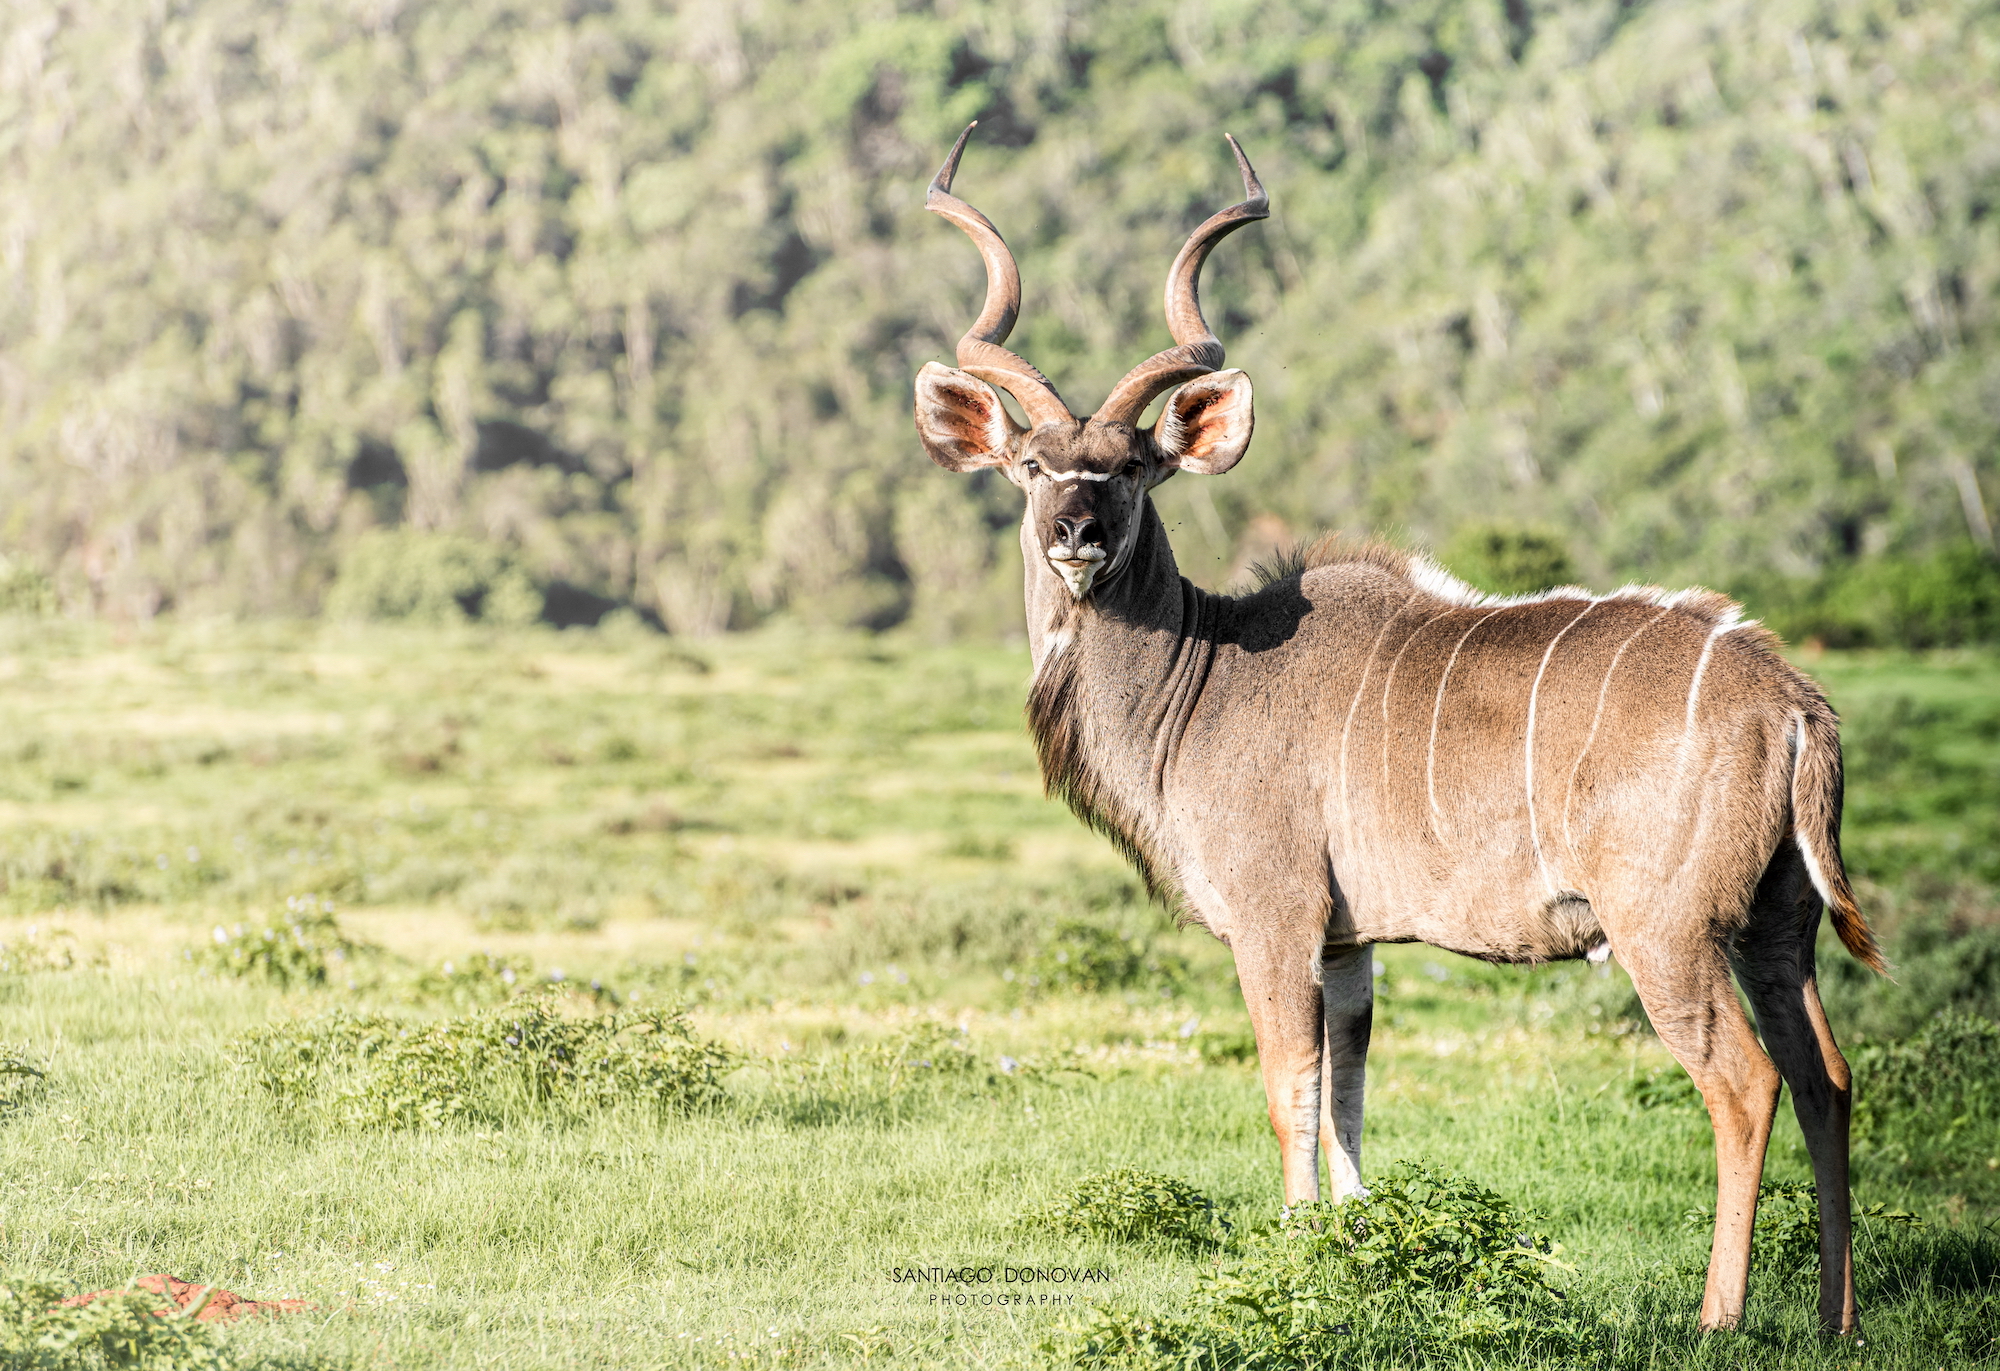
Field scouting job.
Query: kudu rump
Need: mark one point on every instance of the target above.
(1367, 750)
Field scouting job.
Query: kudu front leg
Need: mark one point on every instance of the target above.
(1347, 998)
(1282, 994)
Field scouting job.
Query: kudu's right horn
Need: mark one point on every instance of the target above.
(1196, 351)
(979, 351)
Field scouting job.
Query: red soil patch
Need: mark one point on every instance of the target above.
(225, 1306)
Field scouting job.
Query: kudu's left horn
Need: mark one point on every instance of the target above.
(1196, 351)
(979, 351)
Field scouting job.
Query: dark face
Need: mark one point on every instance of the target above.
(1086, 481)
(1085, 486)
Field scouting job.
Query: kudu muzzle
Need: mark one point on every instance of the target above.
(1078, 552)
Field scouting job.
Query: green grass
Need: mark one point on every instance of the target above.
(836, 852)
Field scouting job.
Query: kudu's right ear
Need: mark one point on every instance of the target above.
(1206, 425)
(961, 420)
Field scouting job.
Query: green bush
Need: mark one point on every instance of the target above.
(1422, 1269)
(293, 951)
(1932, 1101)
(480, 979)
(38, 1332)
(1945, 600)
(25, 591)
(1079, 956)
(431, 578)
(1950, 598)
(528, 1058)
(1785, 1238)
(1129, 1205)
(1938, 966)
(1509, 561)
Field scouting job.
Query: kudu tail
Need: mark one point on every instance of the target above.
(1816, 800)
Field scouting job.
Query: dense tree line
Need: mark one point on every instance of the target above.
(630, 294)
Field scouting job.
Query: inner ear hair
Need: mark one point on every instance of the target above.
(1206, 424)
(961, 420)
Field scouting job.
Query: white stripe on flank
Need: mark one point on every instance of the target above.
(1729, 624)
(1603, 693)
(1354, 706)
(1437, 707)
(1813, 870)
(1389, 684)
(1534, 698)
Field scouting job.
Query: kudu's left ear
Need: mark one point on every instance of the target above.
(961, 420)
(1206, 425)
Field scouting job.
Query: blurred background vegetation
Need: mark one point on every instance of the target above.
(617, 303)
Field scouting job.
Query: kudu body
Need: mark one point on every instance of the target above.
(1366, 750)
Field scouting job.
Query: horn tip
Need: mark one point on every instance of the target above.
(1255, 199)
(942, 181)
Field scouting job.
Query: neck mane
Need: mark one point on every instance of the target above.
(1117, 676)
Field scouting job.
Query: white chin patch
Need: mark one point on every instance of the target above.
(1078, 574)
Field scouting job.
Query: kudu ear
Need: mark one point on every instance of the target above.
(1206, 425)
(961, 420)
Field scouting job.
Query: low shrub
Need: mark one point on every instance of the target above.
(431, 578)
(1129, 1205)
(527, 1058)
(1078, 956)
(1785, 1237)
(1423, 1269)
(1938, 965)
(298, 949)
(1949, 597)
(1510, 561)
(25, 590)
(1932, 1101)
(480, 979)
(38, 1332)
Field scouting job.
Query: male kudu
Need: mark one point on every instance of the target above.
(1366, 750)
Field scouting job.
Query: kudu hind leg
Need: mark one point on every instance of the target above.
(1774, 963)
(1275, 969)
(1347, 998)
(1688, 996)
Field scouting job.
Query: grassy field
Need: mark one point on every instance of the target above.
(943, 1004)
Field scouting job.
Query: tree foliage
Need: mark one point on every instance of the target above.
(635, 292)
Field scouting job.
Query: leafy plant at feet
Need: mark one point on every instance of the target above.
(1422, 1269)
(1786, 1235)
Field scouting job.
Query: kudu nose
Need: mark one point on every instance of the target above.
(1079, 531)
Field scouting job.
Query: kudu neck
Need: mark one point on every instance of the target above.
(1117, 678)
(1143, 610)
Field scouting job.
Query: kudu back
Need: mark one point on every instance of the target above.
(1367, 750)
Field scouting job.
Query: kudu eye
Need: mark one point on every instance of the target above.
(1030, 467)
(1134, 467)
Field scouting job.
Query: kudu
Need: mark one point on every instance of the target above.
(1366, 750)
